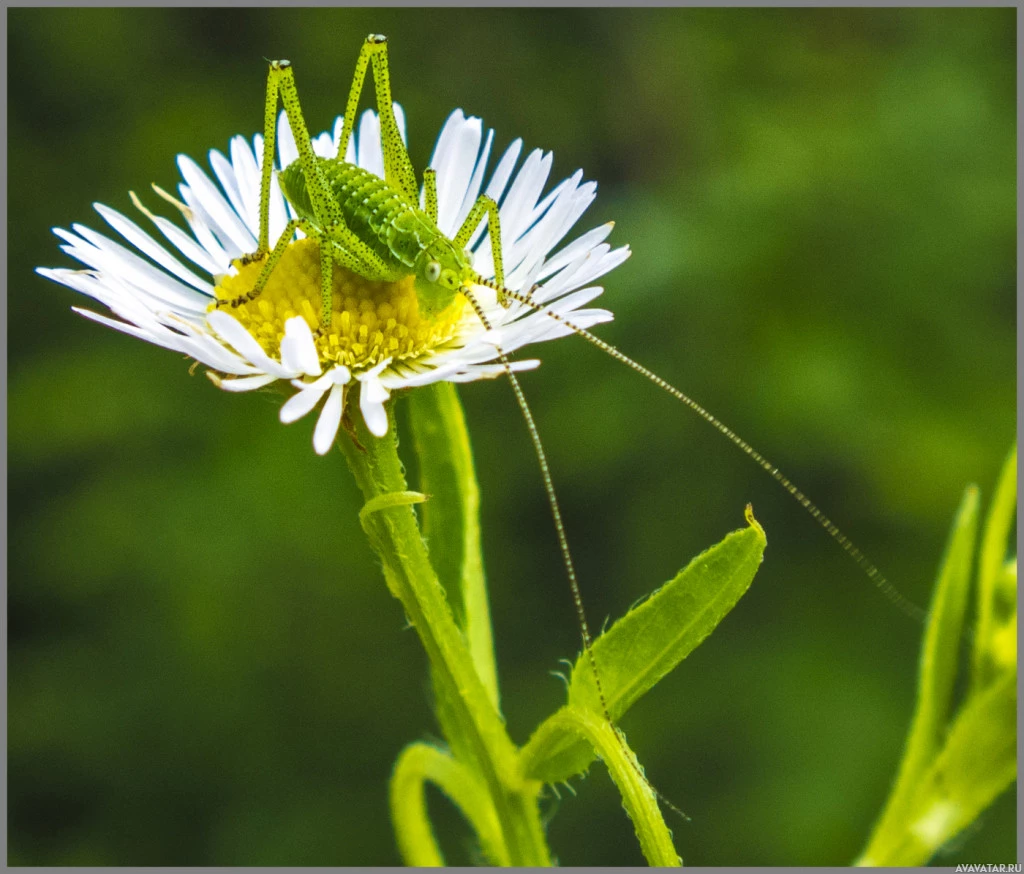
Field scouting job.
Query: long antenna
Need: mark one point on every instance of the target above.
(563, 545)
(863, 562)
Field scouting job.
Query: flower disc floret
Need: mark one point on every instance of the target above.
(371, 321)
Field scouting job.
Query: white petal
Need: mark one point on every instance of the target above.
(371, 403)
(299, 404)
(323, 146)
(298, 351)
(340, 375)
(503, 172)
(454, 160)
(200, 225)
(576, 247)
(232, 331)
(148, 246)
(522, 196)
(216, 206)
(327, 425)
(228, 180)
(368, 146)
(246, 383)
(246, 169)
(187, 245)
(114, 259)
(476, 180)
(286, 149)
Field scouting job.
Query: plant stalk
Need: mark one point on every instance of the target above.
(395, 536)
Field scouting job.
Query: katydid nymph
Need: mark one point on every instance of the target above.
(375, 228)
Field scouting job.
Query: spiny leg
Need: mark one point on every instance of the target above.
(325, 208)
(281, 82)
(326, 285)
(398, 169)
(430, 191)
(484, 205)
(283, 242)
(330, 252)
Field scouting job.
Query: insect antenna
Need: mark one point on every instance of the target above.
(563, 545)
(893, 594)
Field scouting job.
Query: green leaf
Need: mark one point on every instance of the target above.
(654, 637)
(938, 670)
(419, 764)
(978, 763)
(994, 608)
(451, 517)
(647, 643)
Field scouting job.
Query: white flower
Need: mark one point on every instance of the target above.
(155, 296)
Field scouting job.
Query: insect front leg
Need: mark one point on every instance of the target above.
(281, 82)
(430, 193)
(264, 276)
(484, 206)
(398, 169)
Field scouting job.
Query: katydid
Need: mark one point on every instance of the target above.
(374, 227)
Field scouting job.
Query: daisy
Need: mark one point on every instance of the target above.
(378, 340)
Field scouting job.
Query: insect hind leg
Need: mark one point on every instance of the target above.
(398, 169)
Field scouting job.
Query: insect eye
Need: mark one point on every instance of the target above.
(468, 256)
(433, 271)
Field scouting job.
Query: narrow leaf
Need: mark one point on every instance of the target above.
(977, 764)
(990, 570)
(646, 644)
(937, 673)
(451, 517)
(650, 640)
(419, 764)
(639, 801)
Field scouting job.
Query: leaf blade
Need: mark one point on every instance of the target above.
(652, 638)
(553, 754)
(451, 518)
(937, 675)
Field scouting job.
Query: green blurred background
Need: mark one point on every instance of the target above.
(205, 667)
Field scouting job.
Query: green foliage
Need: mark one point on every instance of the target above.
(634, 654)
(648, 642)
(954, 767)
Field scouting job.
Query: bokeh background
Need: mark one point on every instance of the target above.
(205, 667)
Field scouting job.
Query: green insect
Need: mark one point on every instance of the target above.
(369, 225)
(374, 227)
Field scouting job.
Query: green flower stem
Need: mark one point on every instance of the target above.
(419, 763)
(395, 536)
(637, 798)
(451, 519)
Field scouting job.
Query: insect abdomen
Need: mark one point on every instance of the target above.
(378, 214)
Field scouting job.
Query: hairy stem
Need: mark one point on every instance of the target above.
(395, 536)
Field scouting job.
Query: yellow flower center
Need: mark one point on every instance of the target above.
(370, 321)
